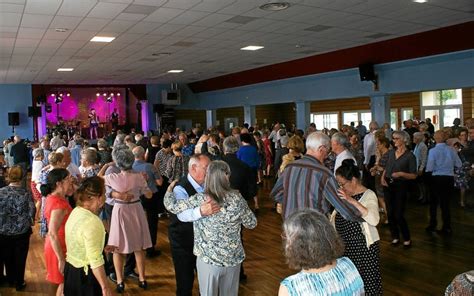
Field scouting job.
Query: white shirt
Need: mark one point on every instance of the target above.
(74, 170)
(341, 156)
(36, 170)
(369, 147)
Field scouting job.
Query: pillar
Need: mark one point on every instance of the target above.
(211, 117)
(303, 112)
(380, 108)
(249, 115)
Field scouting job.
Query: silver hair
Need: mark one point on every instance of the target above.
(138, 152)
(341, 139)
(123, 158)
(217, 182)
(316, 140)
(284, 140)
(101, 143)
(231, 145)
(138, 137)
(404, 135)
(38, 152)
(62, 149)
(373, 125)
(89, 155)
(195, 159)
(418, 135)
(120, 138)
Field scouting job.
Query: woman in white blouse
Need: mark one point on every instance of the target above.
(361, 238)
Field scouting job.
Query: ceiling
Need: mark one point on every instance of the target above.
(201, 37)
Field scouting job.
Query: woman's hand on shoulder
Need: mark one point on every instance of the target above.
(171, 186)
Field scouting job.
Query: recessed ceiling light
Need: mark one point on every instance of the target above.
(65, 69)
(420, 1)
(275, 6)
(61, 30)
(252, 47)
(102, 39)
(175, 71)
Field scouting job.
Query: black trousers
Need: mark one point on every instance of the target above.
(441, 191)
(395, 196)
(14, 251)
(130, 262)
(151, 207)
(77, 283)
(184, 263)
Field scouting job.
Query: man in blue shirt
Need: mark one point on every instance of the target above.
(442, 160)
(76, 152)
(153, 178)
(180, 230)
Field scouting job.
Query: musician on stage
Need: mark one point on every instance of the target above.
(93, 123)
(114, 119)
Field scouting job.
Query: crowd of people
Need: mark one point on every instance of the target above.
(98, 203)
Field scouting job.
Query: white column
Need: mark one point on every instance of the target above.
(211, 117)
(249, 115)
(303, 112)
(380, 108)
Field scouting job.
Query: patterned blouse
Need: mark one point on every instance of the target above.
(89, 171)
(177, 167)
(163, 158)
(17, 211)
(217, 237)
(188, 149)
(343, 279)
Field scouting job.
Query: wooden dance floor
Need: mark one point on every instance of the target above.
(425, 269)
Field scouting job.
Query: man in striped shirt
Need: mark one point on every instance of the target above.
(307, 183)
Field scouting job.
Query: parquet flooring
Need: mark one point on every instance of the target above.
(425, 269)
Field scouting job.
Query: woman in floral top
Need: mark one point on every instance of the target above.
(89, 167)
(217, 239)
(177, 165)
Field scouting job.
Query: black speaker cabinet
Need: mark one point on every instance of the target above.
(34, 111)
(13, 118)
(366, 72)
(158, 108)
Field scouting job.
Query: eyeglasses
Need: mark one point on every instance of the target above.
(396, 138)
(342, 184)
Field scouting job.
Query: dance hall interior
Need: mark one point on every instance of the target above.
(236, 147)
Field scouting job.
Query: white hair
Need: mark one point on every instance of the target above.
(62, 149)
(316, 140)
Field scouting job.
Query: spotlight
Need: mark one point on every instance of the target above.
(111, 94)
(104, 94)
(53, 95)
(61, 95)
(97, 95)
(68, 94)
(118, 94)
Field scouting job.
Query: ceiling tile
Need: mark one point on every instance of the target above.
(76, 8)
(140, 9)
(8, 7)
(43, 7)
(36, 20)
(188, 17)
(107, 10)
(81, 35)
(213, 19)
(68, 22)
(130, 16)
(92, 24)
(50, 44)
(51, 34)
(26, 42)
(32, 33)
(150, 2)
(118, 26)
(163, 15)
(10, 19)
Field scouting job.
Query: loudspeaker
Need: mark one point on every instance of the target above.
(13, 118)
(367, 73)
(34, 111)
(49, 108)
(158, 108)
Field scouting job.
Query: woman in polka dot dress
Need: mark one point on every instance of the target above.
(361, 238)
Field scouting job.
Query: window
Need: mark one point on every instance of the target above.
(325, 120)
(442, 106)
(394, 119)
(355, 116)
(407, 113)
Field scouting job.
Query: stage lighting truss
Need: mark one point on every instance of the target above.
(108, 96)
(59, 96)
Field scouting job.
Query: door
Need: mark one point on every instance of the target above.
(230, 123)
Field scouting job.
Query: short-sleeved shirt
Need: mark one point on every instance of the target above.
(405, 163)
(150, 170)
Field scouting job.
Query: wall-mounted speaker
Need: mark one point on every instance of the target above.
(367, 73)
(34, 111)
(13, 118)
(49, 108)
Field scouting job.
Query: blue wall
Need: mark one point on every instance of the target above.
(15, 98)
(453, 70)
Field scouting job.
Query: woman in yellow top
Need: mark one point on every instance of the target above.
(85, 240)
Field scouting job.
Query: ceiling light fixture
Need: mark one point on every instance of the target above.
(65, 69)
(252, 47)
(420, 1)
(61, 30)
(275, 6)
(102, 39)
(175, 71)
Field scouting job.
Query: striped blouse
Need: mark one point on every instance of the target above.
(306, 183)
(343, 279)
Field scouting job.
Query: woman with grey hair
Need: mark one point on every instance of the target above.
(89, 167)
(128, 226)
(312, 245)
(217, 239)
(399, 170)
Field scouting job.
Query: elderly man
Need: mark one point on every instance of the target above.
(56, 141)
(180, 230)
(442, 160)
(339, 145)
(307, 183)
(46, 150)
(76, 151)
(421, 155)
(154, 180)
(19, 152)
(369, 155)
(71, 167)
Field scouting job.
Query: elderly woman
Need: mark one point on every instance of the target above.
(217, 239)
(56, 212)
(177, 165)
(128, 226)
(103, 152)
(360, 238)
(382, 146)
(36, 168)
(312, 245)
(84, 273)
(400, 169)
(296, 148)
(89, 167)
(17, 213)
